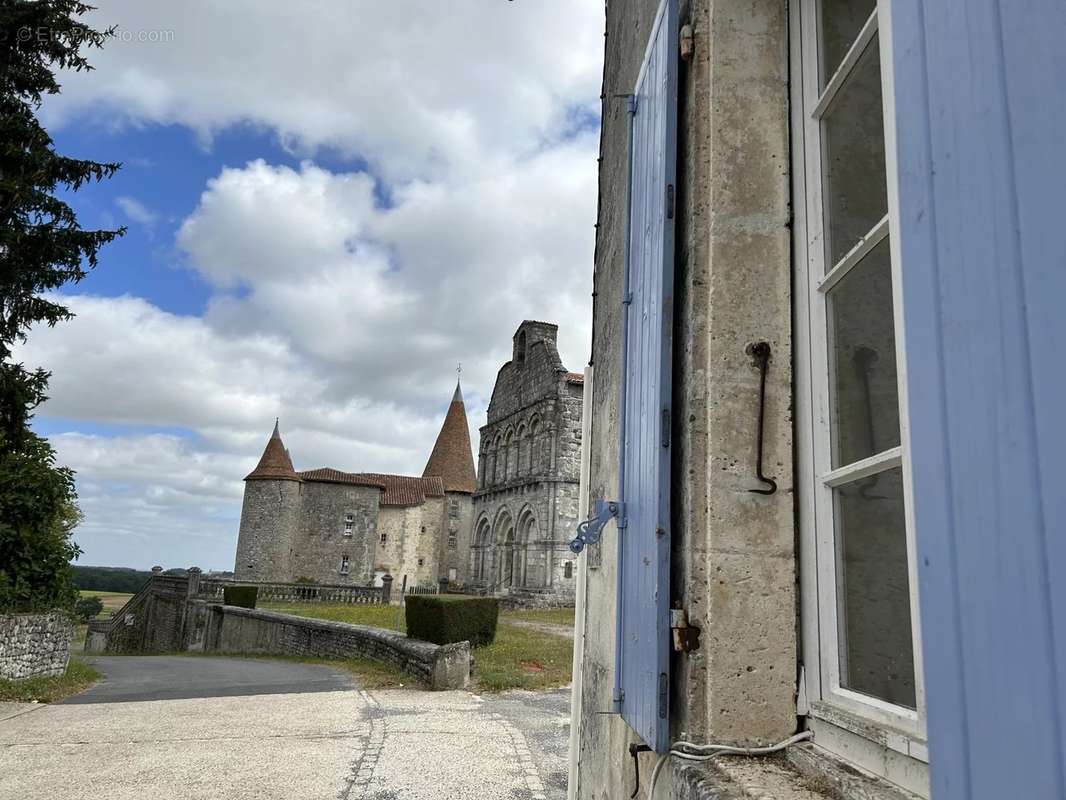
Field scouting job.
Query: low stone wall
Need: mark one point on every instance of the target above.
(243, 630)
(34, 644)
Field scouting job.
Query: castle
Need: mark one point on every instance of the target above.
(503, 531)
(335, 527)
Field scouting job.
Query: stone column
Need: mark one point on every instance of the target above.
(386, 588)
(194, 581)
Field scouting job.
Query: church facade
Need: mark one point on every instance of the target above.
(333, 527)
(526, 503)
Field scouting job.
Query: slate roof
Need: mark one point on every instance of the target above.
(275, 464)
(452, 458)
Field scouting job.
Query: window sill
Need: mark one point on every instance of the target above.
(804, 773)
(885, 735)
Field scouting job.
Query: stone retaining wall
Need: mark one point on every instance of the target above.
(34, 645)
(242, 630)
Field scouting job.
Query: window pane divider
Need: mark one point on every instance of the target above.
(886, 460)
(832, 87)
(855, 255)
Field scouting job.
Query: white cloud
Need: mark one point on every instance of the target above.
(416, 88)
(136, 210)
(341, 300)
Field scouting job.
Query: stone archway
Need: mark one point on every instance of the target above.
(531, 557)
(504, 535)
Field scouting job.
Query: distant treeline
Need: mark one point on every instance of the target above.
(110, 579)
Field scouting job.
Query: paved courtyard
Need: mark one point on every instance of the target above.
(191, 728)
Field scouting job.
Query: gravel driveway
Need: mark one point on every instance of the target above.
(242, 729)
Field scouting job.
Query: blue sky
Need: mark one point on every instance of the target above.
(317, 231)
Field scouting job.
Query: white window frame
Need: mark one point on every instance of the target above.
(349, 524)
(842, 718)
(345, 565)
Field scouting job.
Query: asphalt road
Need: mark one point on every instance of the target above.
(206, 728)
(142, 678)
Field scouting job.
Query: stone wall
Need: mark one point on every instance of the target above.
(453, 548)
(410, 547)
(321, 542)
(733, 561)
(241, 630)
(34, 645)
(152, 621)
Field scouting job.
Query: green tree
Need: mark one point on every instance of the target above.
(42, 248)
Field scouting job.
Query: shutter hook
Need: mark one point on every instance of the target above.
(761, 351)
(635, 750)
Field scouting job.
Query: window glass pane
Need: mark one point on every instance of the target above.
(876, 649)
(856, 195)
(864, 405)
(841, 22)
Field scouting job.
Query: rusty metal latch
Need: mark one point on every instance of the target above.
(686, 637)
(761, 351)
(589, 531)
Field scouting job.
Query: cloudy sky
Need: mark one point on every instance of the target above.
(330, 204)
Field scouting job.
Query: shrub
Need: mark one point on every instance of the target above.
(305, 579)
(240, 596)
(88, 607)
(443, 619)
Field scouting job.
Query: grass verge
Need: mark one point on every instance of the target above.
(519, 658)
(78, 677)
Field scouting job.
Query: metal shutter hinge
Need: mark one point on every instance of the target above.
(589, 531)
(688, 42)
(686, 637)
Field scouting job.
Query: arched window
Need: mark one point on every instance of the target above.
(535, 448)
(520, 348)
(498, 455)
(509, 457)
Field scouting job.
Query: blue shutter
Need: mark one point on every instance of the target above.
(644, 627)
(979, 126)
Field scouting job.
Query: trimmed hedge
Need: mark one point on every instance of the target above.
(444, 619)
(240, 596)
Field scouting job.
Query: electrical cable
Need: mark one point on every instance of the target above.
(708, 751)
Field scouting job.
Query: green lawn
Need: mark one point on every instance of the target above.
(556, 616)
(112, 601)
(79, 676)
(520, 658)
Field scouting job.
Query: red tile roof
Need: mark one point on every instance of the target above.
(275, 464)
(399, 490)
(452, 458)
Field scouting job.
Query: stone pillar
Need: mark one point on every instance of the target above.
(442, 584)
(386, 588)
(194, 581)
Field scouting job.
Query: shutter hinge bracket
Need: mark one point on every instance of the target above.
(589, 531)
(686, 637)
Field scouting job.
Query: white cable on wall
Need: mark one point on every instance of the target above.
(705, 752)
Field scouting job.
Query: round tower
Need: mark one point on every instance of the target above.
(269, 517)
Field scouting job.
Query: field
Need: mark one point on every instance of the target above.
(112, 601)
(520, 658)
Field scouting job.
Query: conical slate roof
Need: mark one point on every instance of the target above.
(275, 465)
(452, 459)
